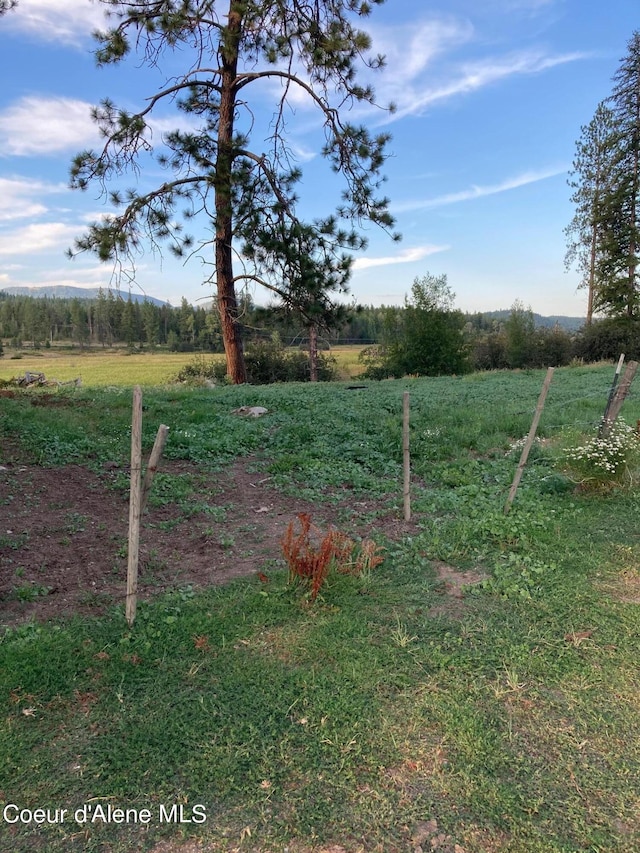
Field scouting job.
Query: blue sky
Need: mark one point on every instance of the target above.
(490, 97)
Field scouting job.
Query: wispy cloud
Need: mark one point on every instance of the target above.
(415, 97)
(406, 257)
(68, 21)
(477, 191)
(22, 198)
(424, 68)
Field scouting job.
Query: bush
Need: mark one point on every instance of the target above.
(604, 340)
(426, 338)
(267, 362)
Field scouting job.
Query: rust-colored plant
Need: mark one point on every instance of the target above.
(310, 554)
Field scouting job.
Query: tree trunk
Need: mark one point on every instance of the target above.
(313, 352)
(631, 310)
(592, 272)
(227, 301)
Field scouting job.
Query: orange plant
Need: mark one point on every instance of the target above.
(311, 555)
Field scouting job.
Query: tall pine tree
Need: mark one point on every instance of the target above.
(620, 207)
(591, 178)
(228, 49)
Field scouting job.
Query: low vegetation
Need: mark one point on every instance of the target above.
(476, 691)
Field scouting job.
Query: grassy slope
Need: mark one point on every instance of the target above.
(512, 724)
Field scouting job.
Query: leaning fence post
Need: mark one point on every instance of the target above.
(527, 446)
(618, 399)
(612, 391)
(406, 459)
(152, 466)
(134, 506)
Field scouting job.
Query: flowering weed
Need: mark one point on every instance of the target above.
(602, 463)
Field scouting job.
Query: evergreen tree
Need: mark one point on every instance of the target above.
(128, 327)
(620, 208)
(151, 322)
(311, 48)
(594, 166)
(520, 331)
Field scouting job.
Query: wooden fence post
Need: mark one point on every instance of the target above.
(152, 467)
(406, 459)
(612, 391)
(528, 443)
(134, 506)
(619, 397)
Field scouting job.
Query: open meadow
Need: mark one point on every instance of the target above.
(475, 692)
(99, 368)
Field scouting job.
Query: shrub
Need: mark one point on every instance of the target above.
(606, 339)
(267, 362)
(311, 555)
(425, 338)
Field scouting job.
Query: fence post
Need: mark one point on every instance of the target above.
(134, 506)
(619, 397)
(406, 459)
(612, 390)
(527, 446)
(152, 467)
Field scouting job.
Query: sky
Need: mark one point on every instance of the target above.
(490, 99)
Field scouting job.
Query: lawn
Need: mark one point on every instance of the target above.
(476, 692)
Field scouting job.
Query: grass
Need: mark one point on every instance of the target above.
(100, 368)
(386, 715)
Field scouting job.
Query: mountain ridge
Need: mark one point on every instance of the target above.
(62, 291)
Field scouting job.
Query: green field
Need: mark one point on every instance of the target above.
(477, 692)
(100, 368)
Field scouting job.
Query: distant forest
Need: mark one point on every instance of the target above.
(110, 320)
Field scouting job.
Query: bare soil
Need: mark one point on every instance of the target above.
(63, 534)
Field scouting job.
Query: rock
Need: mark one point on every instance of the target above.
(250, 411)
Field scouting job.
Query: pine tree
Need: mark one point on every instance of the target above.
(309, 48)
(594, 166)
(620, 209)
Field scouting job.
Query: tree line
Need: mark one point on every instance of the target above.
(426, 335)
(110, 320)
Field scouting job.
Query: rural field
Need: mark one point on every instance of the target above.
(97, 368)
(477, 691)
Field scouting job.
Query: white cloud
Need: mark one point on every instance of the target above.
(477, 191)
(406, 257)
(409, 49)
(422, 68)
(45, 125)
(37, 238)
(40, 125)
(21, 198)
(69, 21)
(414, 97)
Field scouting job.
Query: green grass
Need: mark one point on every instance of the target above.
(109, 368)
(510, 719)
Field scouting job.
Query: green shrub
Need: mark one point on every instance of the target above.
(267, 362)
(604, 340)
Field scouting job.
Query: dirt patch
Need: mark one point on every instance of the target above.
(455, 584)
(63, 534)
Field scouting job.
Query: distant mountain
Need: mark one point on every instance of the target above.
(60, 291)
(571, 324)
